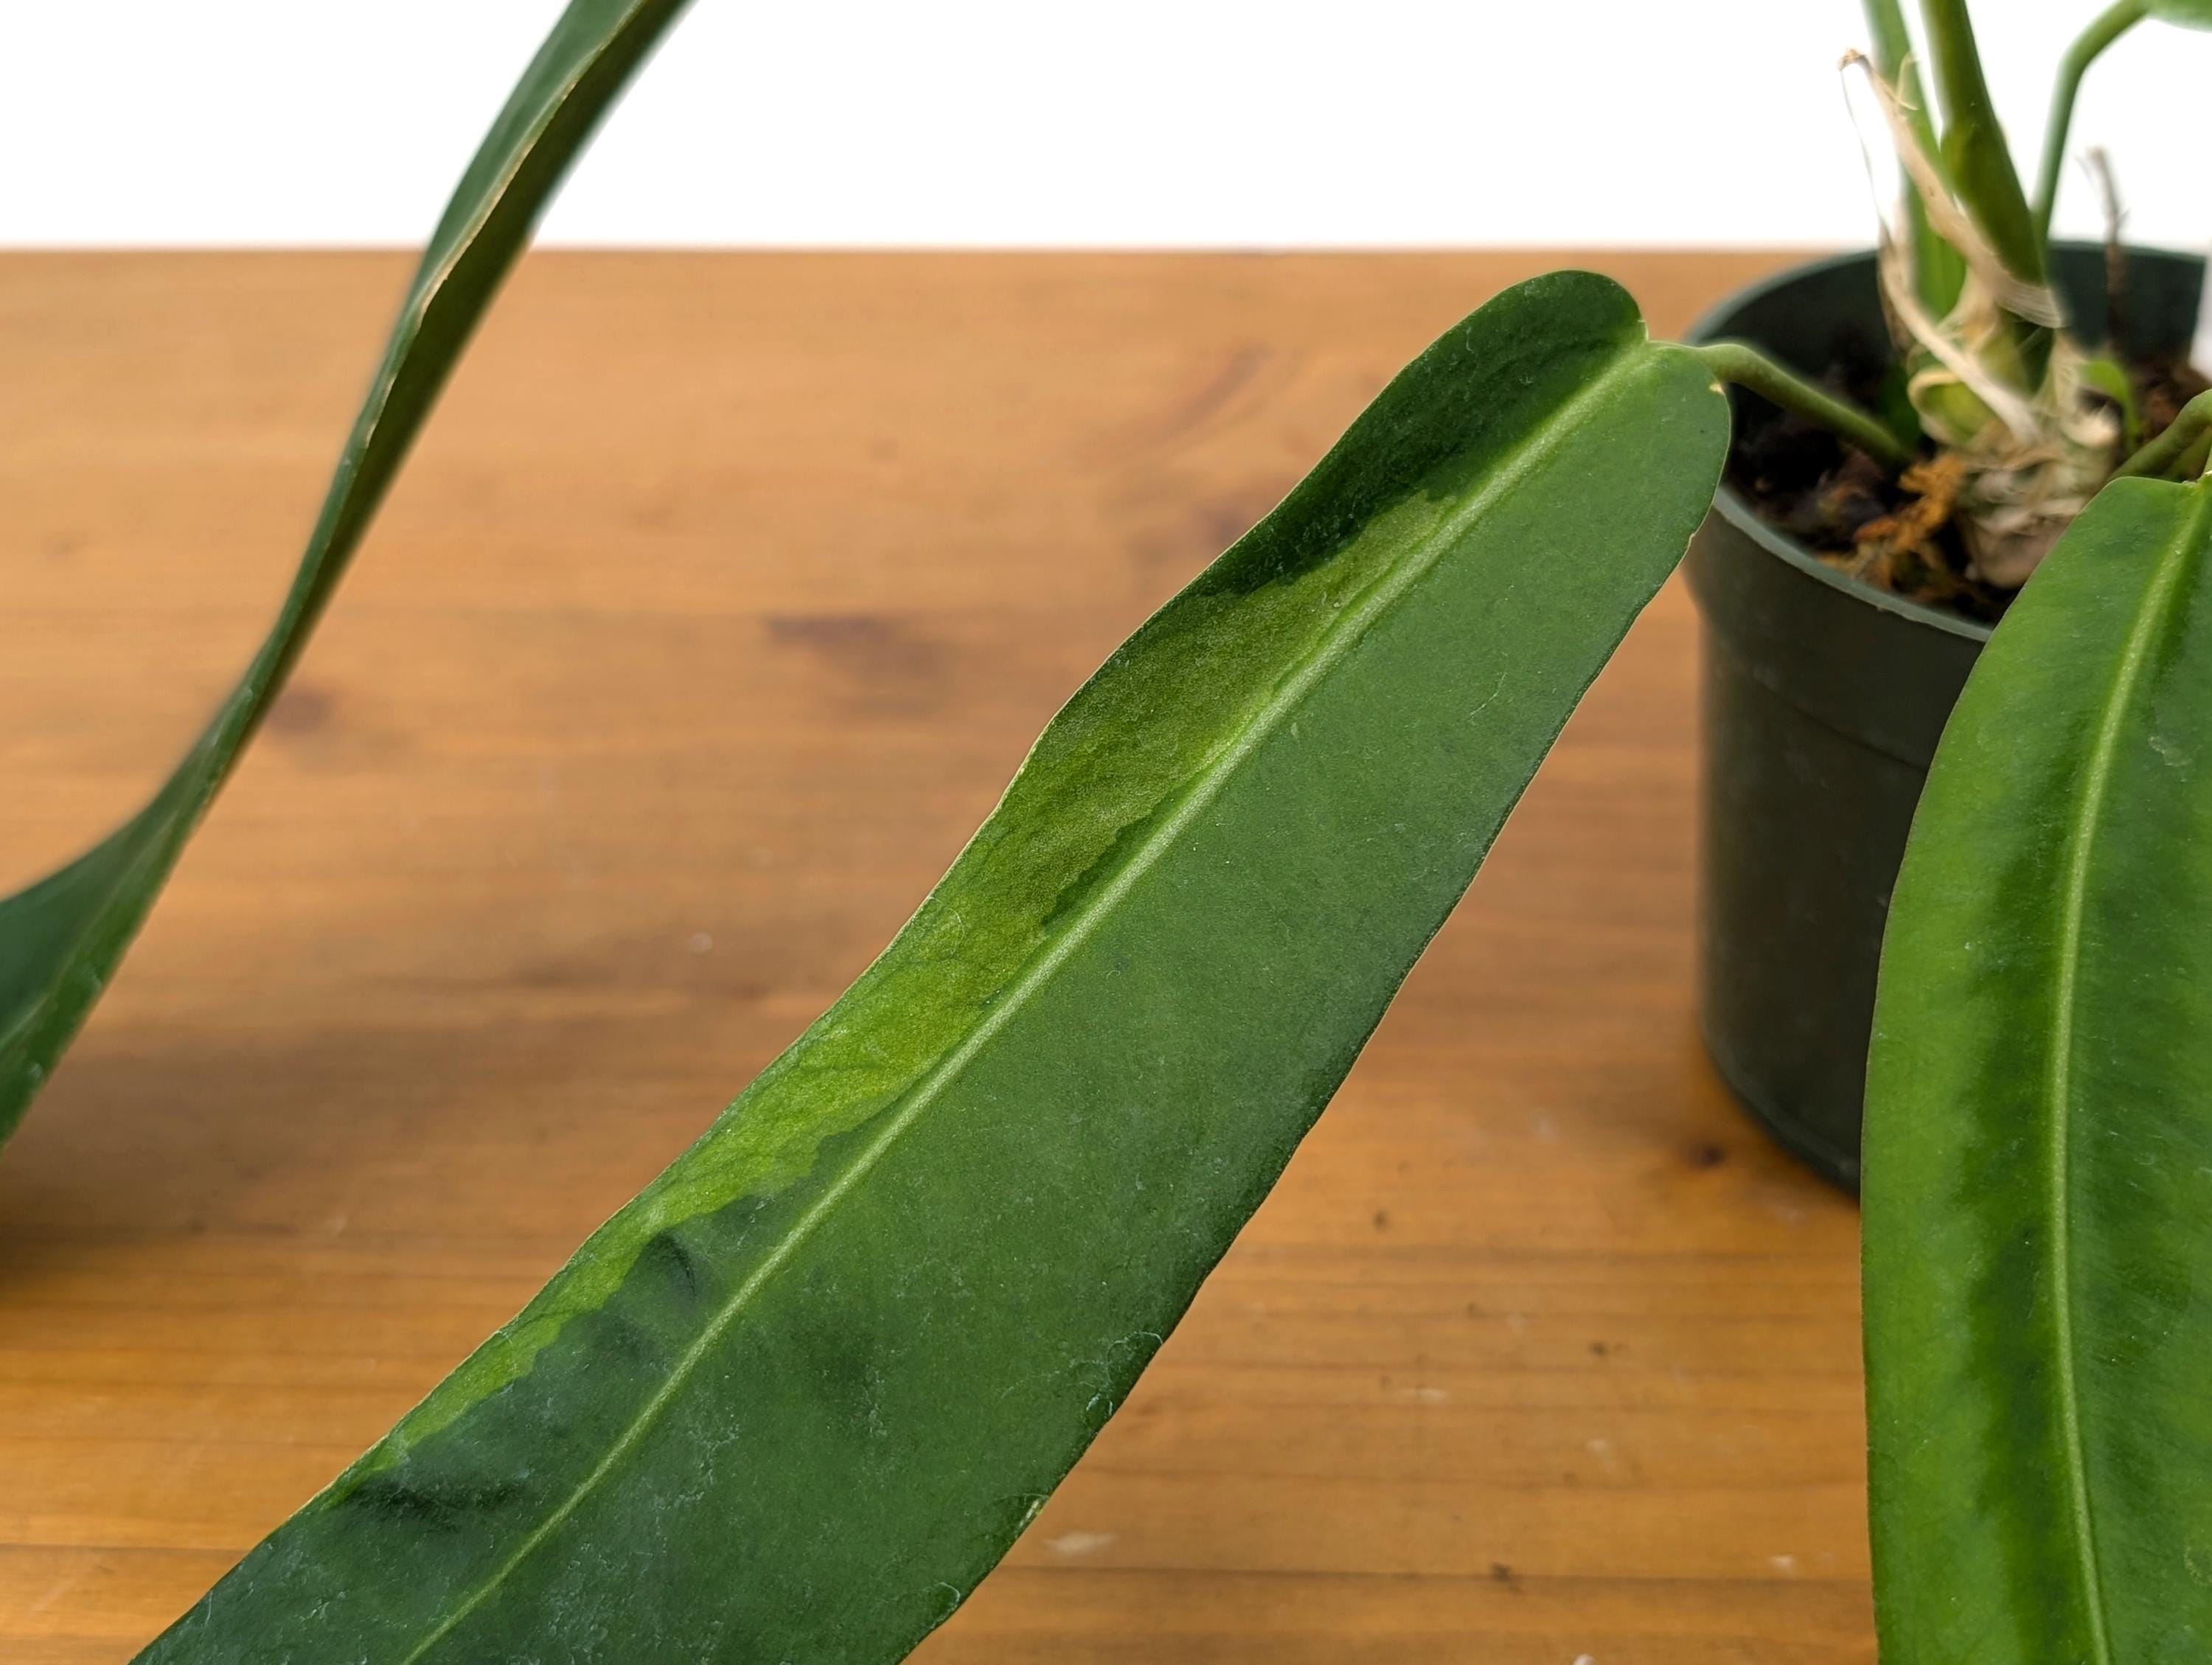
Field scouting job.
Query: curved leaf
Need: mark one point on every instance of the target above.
(795, 1399)
(61, 939)
(2039, 1131)
(2189, 14)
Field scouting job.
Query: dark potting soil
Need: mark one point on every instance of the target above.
(1890, 530)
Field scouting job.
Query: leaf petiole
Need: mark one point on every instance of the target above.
(1741, 364)
(2089, 46)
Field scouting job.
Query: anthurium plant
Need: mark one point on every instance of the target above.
(799, 1397)
(2002, 424)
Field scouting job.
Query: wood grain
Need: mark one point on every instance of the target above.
(722, 598)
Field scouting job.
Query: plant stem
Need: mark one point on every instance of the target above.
(2157, 459)
(1983, 178)
(1939, 272)
(2110, 25)
(1974, 143)
(1744, 365)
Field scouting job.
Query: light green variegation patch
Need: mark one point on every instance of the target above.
(1205, 681)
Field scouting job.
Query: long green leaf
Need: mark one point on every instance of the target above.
(60, 940)
(796, 1399)
(2038, 1131)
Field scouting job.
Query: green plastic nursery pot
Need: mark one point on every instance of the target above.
(1823, 702)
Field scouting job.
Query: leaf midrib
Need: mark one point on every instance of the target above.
(1352, 625)
(2119, 701)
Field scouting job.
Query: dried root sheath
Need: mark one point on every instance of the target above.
(1900, 550)
(2030, 459)
(2098, 164)
(2020, 491)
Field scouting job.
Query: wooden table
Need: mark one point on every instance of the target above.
(724, 595)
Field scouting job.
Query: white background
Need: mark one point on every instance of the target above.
(1036, 122)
